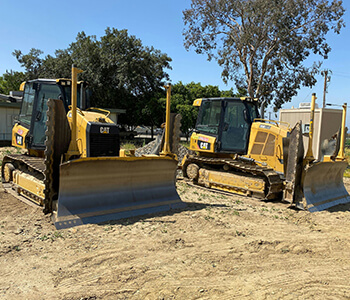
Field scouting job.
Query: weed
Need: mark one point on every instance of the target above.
(57, 235)
(236, 213)
(44, 238)
(240, 233)
(285, 250)
(17, 248)
(238, 202)
(108, 227)
(128, 146)
(185, 144)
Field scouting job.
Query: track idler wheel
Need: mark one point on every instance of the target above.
(8, 172)
(192, 171)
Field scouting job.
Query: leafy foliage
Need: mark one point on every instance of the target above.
(10, 81)
(122, 73)
(262, 44)
(182, 99)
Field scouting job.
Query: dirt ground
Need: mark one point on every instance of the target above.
(218, 247)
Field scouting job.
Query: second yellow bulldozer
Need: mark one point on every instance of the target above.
(237, 151)
(74, 167)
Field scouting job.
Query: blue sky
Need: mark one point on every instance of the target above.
(51, 25)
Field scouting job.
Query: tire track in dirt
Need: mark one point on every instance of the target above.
(219, 247)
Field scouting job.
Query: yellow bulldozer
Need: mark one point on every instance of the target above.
(237, 151)
(74, 167)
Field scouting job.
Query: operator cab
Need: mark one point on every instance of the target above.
(34, 105)
(228, 120)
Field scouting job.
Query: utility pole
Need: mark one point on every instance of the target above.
(326, 79)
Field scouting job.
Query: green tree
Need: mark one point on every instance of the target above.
(10, 81)
(32, 62)
(262, 44)
(120, 70)
(182, 99)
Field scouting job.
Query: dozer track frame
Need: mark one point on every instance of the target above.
(237, 176)
(25, 175)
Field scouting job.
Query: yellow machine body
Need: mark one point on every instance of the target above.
(73, 167)
(203, 143)
(19, 133)
(266, 143)
(84, 119)
(238, 152)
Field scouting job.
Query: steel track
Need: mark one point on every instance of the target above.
(274, 184)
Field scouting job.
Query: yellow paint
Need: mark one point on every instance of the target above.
(26, 182)
(21, 87)
(166, 148)
(203, 143)
(19, 133)
(244, 185)
(83, 118)
(127, 152)
(107, 112)
(114, 158)
(73, 147)
(341, 155)
(275, 160)
(309, 155)
(197, 102)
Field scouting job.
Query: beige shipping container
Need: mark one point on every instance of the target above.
(326, 123)
(8, 112)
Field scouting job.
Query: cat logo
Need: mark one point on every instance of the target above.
(19, 140)
(204, 145)
(104, 130)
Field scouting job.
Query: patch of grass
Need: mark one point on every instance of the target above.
(236, 213)
(57, 235)
(108, 228)
(240, 233)
(128, 146)
(44, 238)
(185, 144)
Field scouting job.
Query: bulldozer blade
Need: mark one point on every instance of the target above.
(95, 190)
(323, 185)
(293, 153)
